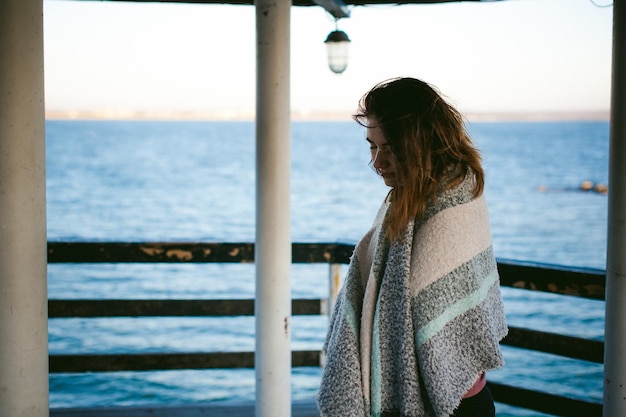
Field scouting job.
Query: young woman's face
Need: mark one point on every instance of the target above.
(383, 159)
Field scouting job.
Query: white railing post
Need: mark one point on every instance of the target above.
(273, 220)
(328, 305)
(334, 285)
(615, 327)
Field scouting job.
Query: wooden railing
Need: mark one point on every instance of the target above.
(573, 282)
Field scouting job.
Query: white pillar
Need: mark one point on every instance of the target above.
(615, 328)
(273, 233)
(23, 292)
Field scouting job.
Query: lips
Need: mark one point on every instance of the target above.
(389, 179)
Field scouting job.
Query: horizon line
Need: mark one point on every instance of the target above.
(148, 115)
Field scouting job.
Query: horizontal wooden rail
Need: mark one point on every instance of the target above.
(581, 282)
(516, 396)
(557, 344)
(235, 408)
(142, 252)
(167, 361)
(171, 308)
(544, 402)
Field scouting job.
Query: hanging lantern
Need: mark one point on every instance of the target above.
(337, 44)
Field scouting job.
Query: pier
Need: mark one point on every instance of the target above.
(23, 238)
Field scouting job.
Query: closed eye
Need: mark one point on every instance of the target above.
(383, 147)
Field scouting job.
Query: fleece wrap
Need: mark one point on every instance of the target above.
(418, 319)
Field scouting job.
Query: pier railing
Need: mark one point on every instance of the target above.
(571, 282)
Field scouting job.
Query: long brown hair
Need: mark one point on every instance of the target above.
(428, 139)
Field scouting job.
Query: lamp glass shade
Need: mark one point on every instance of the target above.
(337, 44)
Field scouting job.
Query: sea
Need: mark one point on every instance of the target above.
(194, 181)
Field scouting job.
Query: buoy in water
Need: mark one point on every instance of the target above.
(601, 189)
(586, 186)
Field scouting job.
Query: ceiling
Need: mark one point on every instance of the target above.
(310, 2)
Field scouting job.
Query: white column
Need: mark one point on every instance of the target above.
(273, 233)
(23, 291)
(615, 328)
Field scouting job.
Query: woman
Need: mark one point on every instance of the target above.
(419, 317)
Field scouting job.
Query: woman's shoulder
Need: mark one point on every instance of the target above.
(451, 195)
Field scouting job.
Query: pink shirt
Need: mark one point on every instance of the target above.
(480, 383)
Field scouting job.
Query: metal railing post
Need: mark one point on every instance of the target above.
(615, 325)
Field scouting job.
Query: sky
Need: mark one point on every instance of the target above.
(514, 56)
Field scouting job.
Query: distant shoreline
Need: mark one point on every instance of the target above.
(602, 116)
(312, 116)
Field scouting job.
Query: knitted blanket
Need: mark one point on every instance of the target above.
(417, 320)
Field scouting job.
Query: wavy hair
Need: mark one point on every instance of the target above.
(427, 136)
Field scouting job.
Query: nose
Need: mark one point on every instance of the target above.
(380, 159)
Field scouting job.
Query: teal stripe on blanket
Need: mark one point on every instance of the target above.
(375, 369)
(351, 318)
(455, 310)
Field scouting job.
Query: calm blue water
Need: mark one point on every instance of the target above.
(194, 181)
